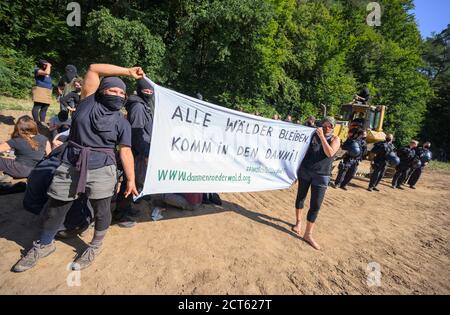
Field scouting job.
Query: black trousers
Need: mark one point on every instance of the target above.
(14, 169)
(379, 169)
(318, 185)
(57, 210)
(346, 173)
(39, 111)
(414, 177)
(400, 176)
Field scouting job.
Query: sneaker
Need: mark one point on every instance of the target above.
(86, 259)
(37, 252)
(156, 214)
(376, 189)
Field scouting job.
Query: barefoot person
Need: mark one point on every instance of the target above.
(88, 163)
(315, 172)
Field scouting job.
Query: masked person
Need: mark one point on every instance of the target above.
(406, 155)
(140, 109)
(381, 150)
(424, 156)
(349, 164)
(315, 172)
(88, 162)
(42, 91)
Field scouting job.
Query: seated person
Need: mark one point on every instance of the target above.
(59, 123)
(70, 101)
(29, 149)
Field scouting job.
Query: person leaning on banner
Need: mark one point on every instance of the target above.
(406, 155)
(347, 167)
(315, 172)
(140, 115)
(423, 157)
(384, 154)
(89, 163)
(42, 91)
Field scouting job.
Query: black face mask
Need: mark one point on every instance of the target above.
(78, 90)
(112, 102)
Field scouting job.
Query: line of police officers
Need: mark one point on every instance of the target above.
(409, 161)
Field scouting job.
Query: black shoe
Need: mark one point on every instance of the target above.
(376, 189)
(370, 189)
(412, 187)
(343, 188)
(393, 187)
(400, 187)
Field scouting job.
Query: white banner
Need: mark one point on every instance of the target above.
(201, 147)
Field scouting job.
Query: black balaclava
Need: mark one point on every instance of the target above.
(106, 111)
(143, 84)
(70, 72)
(111, 102)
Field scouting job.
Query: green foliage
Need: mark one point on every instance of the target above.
(437, 57)
(265, 56)
(16, 71)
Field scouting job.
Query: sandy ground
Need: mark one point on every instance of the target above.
(246, 246)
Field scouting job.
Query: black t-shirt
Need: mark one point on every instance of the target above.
(83, 133)
(141, 122)
(24, 153)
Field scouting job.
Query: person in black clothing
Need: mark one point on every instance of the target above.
(140, 115)
(406, 155)
(381, 150)
(349, 165)
(353, 148)
(363, 96)
(424, 155)
(315, 172)
(29, 149)
(89, 163)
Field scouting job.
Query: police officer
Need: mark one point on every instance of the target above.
(349, 163)
(406, 155)
(381, 150)
(424, 155)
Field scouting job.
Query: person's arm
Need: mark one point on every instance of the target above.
(4, 147)
(48, 148)
(92, 78)
(127, 159)
(46, 71)
(330, 150)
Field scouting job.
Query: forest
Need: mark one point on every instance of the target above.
(267, 56)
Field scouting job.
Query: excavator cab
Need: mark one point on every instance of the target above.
(369, 117)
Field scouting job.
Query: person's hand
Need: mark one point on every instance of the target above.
(136, 72)
(131, 189)
(71, 109)
(56, 143)
(319, 132)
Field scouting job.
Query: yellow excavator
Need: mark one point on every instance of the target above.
(371, 118)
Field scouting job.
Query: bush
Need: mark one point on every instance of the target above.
(16, 70)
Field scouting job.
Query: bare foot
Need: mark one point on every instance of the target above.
(311, 241)
(296, 228)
